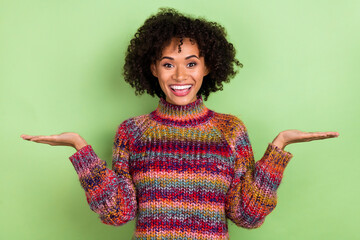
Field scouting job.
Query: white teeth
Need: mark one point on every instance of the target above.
(180, 87)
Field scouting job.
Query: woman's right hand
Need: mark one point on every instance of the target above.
(64, 139)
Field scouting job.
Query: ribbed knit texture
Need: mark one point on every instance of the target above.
(182, 171)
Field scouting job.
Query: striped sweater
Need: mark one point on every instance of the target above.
(182, 171)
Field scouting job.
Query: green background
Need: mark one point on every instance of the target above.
(60, 71)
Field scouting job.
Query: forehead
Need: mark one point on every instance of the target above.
(181, 46)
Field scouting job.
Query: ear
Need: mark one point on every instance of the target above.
(207, 71)
(153, 70)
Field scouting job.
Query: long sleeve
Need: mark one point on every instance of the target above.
(252, 194)
(110, 193)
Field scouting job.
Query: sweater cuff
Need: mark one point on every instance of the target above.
(277, 157)
(83, 158)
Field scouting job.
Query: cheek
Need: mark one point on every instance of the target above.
(162, 83)
(164, 75)
(200, 73)
(198, 77)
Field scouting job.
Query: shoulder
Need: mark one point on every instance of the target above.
(133, 125)
(134, 121)
(228, 124)
(233, 130)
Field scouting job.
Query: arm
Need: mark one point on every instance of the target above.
(252, 194)
(110, 193)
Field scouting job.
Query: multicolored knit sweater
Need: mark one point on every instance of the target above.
(182, 171)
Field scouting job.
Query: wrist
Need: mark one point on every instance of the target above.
(79, 143)
(79, 146)
(279, 141)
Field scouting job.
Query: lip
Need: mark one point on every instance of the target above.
(181, 93)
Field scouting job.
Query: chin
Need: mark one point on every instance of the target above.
(181, 101)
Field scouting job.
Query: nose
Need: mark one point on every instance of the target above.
(180, 74)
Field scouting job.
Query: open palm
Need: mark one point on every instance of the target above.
(63, 139)
(295, 136)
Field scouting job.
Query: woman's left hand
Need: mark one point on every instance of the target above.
(294, 136)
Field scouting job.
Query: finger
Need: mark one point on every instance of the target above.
(335, 134)
(42, 141)
(29, 137)
(319, 137)
(328, 134)
(45, 138)
(51, 143)
(321, 134)
(26, 137)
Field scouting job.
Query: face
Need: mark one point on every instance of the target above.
(180, 74)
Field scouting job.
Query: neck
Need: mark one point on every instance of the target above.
(192, 114)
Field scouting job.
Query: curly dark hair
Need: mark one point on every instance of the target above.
(158, 30)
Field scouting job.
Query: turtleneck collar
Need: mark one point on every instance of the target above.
(192, 114)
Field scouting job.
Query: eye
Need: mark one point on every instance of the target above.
(167, 65)
(192, 64)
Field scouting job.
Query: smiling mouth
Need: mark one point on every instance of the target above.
(180, 90)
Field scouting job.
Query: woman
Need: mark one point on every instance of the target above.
(183, 169)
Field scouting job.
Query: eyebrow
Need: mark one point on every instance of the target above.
(188, 57)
